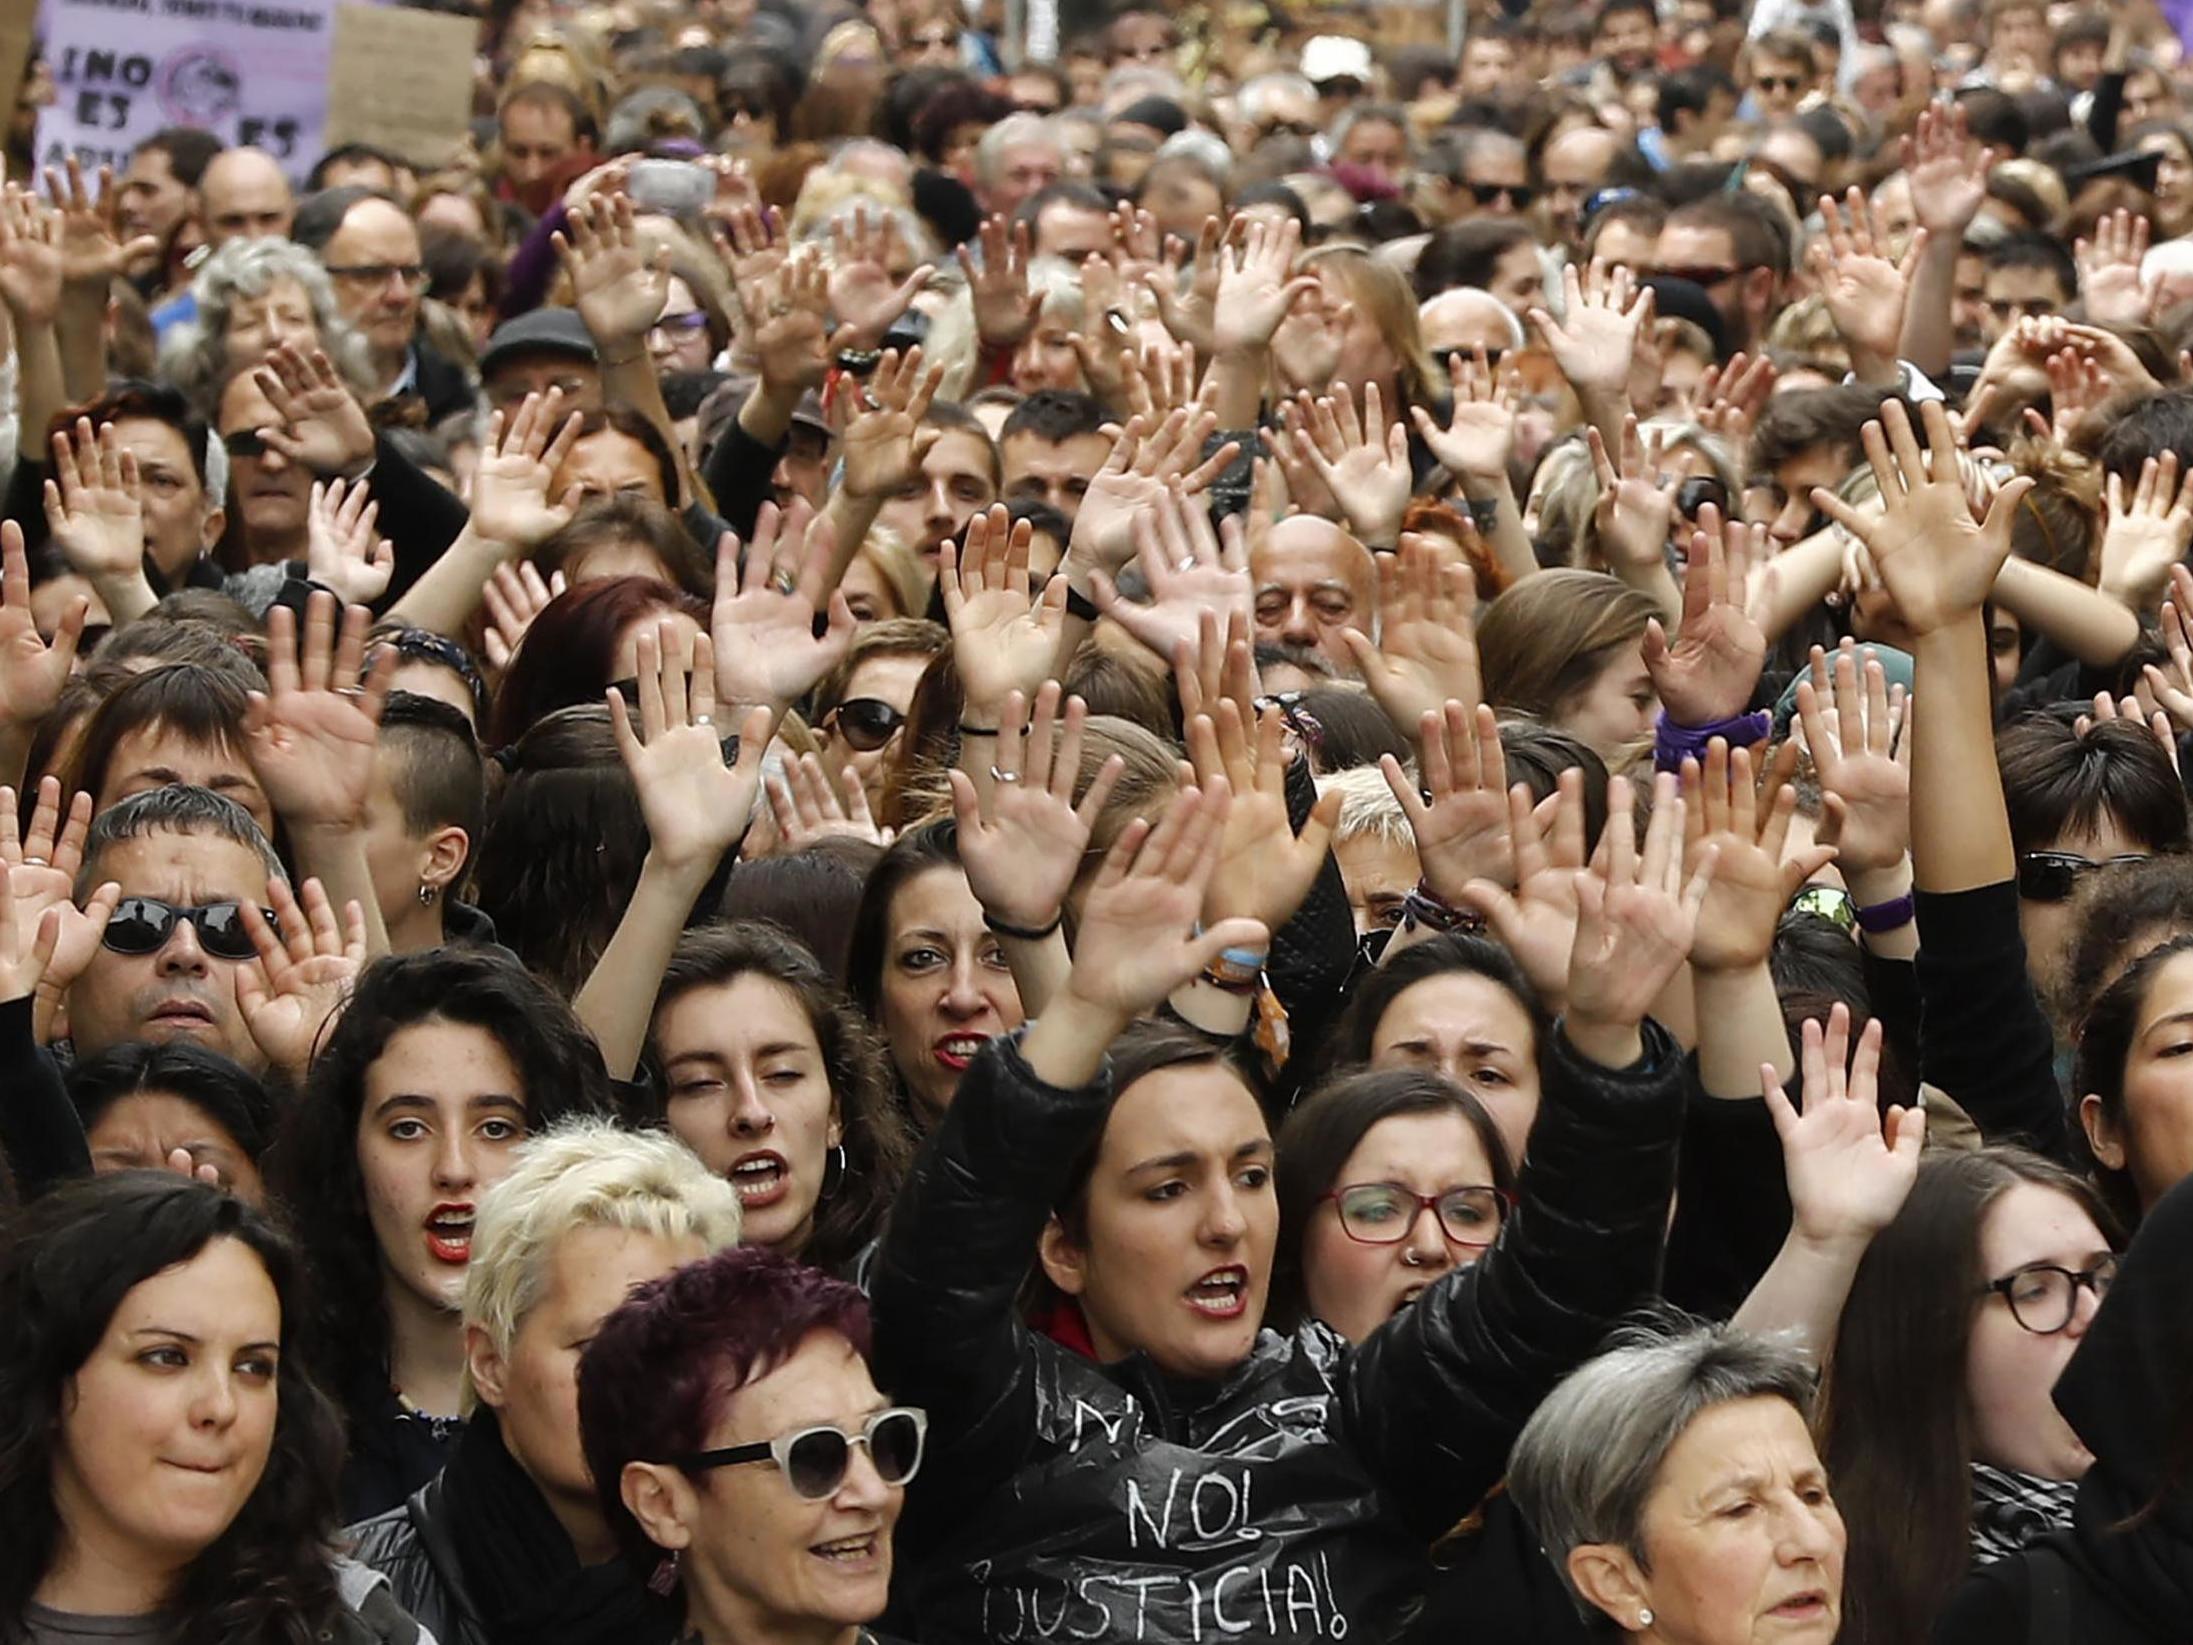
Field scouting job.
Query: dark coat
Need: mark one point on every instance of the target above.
(1294, 1499)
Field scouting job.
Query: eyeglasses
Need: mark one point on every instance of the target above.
(409, 275)
(814, 1460)
(866, 723)
(244, 442)
(1447, 356)
(1778, 82)
(2043, 1297)
(2051, 876)
(1519, 195)
(1830, 902)
(1383, 1213)
(1290, 128)
(922, 42)
(1703, 275)
(1697, 491)
(671, 327)
(142, 925)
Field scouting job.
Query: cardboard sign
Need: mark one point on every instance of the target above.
(249, 71)
(402, 81)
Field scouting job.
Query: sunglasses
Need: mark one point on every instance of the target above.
(1701, 276)
(1697, 491)
(142, 925)
(814, 1460)
(866, 723)
(243, 443)
(1447, 356)
(1519, 195)
(1779, 82)
(1832, 903)
(2051, 876)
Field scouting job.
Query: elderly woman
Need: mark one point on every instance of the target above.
(1673, 1482)
(741, 1448)
(250, 295)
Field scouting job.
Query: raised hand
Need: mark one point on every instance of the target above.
(1731, 397)
(1947, 171)
(2127, 708)
(694, 805)
(1936, 561)
(1850, 1170)
(1595, 339)
(616, 286)
(1023, 847)
(763, 620)
(342, 551)
(1189, 308)
(311, 735)
(1190, 569)
(1866, 290)
(1004, 638)
(1745, 833)
(93, 252)
(1257, 287)
(517, 466)
(28, 939)
(93, 509)
(1005, 309)
(2172, 688)
(1462, 829)
(1426, 654)
(30, 259)
(514, 596)
(1536, 920)
(1480, 434)
(321, 426)
(43, 862)
(1708, 672)
(1863, 767)
(2145, 538)
(863, 296)
(1635, 919)
(32, 672)
(805, 807)
(1264, 868)
(788, 307)
(1157, 379)
(2110, 283)
(1636, 508)
(302, 978)
(879, 440)
(1364, 461)
(1134, 477)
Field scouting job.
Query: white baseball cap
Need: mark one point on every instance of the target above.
(1335, 57)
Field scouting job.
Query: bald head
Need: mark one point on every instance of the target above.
(1313, 581)
(243, 195)
(1574, 168)
(1467, 318)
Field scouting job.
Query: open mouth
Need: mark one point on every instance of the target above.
(1223, 1293)
(956, 1051)
(1808, 1607)
(760, 1179)
(449, 1234)
(848, 1550)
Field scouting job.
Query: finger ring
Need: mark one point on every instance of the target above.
(783, 581)
(779, 308)
(702, 719)
(34, 862)
(355, 693)
(1003, 776)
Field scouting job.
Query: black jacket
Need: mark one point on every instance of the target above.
(1296, 1498)
(2123, 1573)
(410, 1546)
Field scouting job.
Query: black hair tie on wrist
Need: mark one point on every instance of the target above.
(1022, 933)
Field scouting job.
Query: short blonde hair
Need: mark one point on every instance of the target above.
(1367, 806)
(586, 1173)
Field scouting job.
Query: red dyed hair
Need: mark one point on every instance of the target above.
(567, 654)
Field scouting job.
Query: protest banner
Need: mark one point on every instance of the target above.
(249, 71)
(402, 81)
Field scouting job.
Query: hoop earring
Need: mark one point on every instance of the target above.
(833, 1170)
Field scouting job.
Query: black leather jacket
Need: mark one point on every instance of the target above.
(1295, 1499)
(410, 1546)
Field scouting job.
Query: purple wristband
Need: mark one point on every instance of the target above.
(1892, 915)
(1672, 743)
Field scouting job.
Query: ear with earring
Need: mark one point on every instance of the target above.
(1644, 1619)
(428, 891)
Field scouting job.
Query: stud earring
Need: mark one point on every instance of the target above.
(1644, 1619)
(427, 894)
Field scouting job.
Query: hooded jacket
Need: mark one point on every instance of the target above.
(1295, 1498)
(2123, 1573)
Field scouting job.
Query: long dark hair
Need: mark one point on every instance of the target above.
(314, 1165)
(912, 854)
(1895, 1423)
(66, 1263)
(226, 1093)
(1326, 1127)
(878, 1143)
(2105, 1046)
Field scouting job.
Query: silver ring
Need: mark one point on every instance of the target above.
(779, 309)
(35, 862)
(356, 693)
(702, 719)
(1003, 776)
(783, 581)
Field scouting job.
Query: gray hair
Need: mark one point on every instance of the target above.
(1590, 1455)
(1205, 150)
(1259, 89)
(177, 808)
(195, 355)
(1011, 132)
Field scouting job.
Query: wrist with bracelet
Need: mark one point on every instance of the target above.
(1023, 933)
(1236, 971)
(1672, 743)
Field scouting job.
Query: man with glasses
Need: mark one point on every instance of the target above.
(1783, 72)
(1494, 178)
(370, 248)
(1737, 248)
(165, 969)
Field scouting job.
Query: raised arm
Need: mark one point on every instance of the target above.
(1435, 1397)
(1475, 447)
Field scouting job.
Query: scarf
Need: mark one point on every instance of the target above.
(520, 1570)
(2010, 1510)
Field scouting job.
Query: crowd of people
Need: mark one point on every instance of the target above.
(1133, 827)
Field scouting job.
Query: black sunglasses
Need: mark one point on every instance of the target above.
(1520, 195)
(1779, 82)
(142, 925)
(814, 1460)
(2051, 876)
(866, 723)
(1447, 356)
(1697, 491)
(243, 443)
